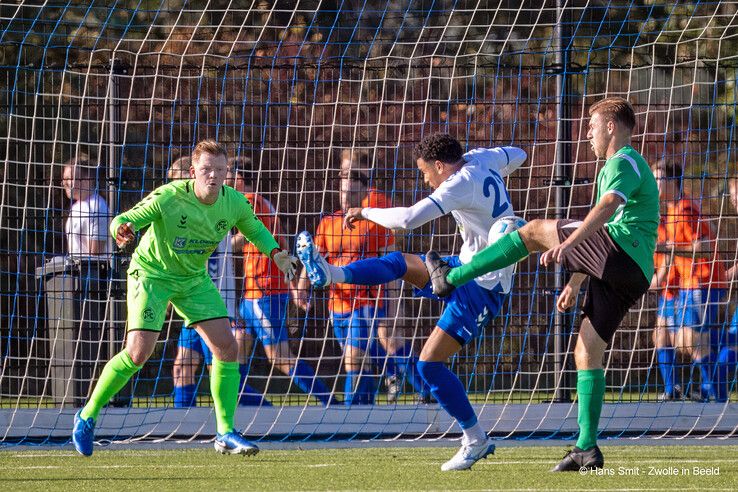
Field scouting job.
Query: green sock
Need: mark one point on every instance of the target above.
(507, 250)
(591, 393)
(224, 379)
(116, 373)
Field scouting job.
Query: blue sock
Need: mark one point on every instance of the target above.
(364, 392)
(376, 271)
(706, 366)
(305, 379)
(248, 396)
(448, 390)
(666, 356)
(413, 376)
(185, 396)
(726, 363)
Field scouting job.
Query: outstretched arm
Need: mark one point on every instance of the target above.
(397, 217)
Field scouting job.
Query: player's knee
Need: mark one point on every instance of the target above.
(429, 370)
(531, 234)
(352, 358)
(227, 350)
(138, 355)
(586, 357)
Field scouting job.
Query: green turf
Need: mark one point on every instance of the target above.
(361, 469)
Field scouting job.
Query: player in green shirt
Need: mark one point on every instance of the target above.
(186, 220)
(614, 246)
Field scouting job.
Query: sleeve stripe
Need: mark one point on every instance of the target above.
(437, 205)
(616, 192)
(632, 163)
(506, 155)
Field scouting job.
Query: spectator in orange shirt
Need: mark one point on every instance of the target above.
(666, 283)
(266, 296)
(357, 310)
(390, 337)
(691, 241)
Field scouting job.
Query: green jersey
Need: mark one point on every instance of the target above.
(634, 224)
(184, 231)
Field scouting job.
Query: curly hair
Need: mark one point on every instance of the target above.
(439, 147)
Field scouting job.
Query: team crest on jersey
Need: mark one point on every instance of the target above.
(180, 242)
(221, 226)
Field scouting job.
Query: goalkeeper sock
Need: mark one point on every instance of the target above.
(116, 373)
(507, 250)
(591, 393)
(224, 377)
(185, 396)
(305, 379)
(375, 271)
(449, 392)
(666, 357)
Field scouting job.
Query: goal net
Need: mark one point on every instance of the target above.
(296, 87)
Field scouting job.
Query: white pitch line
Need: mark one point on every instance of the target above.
(42, 455)
(53, 467)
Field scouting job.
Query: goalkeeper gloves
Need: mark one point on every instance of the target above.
(286, 263)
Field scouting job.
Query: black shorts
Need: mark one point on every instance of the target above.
(616, 281)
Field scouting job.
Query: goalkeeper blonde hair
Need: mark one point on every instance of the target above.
(209, 146)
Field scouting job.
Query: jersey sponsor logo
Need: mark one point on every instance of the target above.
(221, 226)
(182, 222)
(180, 242)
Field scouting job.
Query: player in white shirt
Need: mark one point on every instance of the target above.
(471, 188)
(86, 227)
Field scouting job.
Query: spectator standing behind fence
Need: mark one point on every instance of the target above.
(728, 340)
(266, 295)
(691, 241)
(666, 283)
(90, 246)
(357, 310)
(86, 228)
(399, 350)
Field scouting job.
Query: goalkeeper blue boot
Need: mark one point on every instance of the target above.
(234, 443)
(316, 266)
(83, 434)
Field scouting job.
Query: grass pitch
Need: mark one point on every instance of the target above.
(527, 468)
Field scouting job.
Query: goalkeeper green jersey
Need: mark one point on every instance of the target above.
(183, 231)
(634, 224)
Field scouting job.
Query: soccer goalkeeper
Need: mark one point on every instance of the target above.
(187, 219)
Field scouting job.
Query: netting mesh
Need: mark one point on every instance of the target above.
(135, 85)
